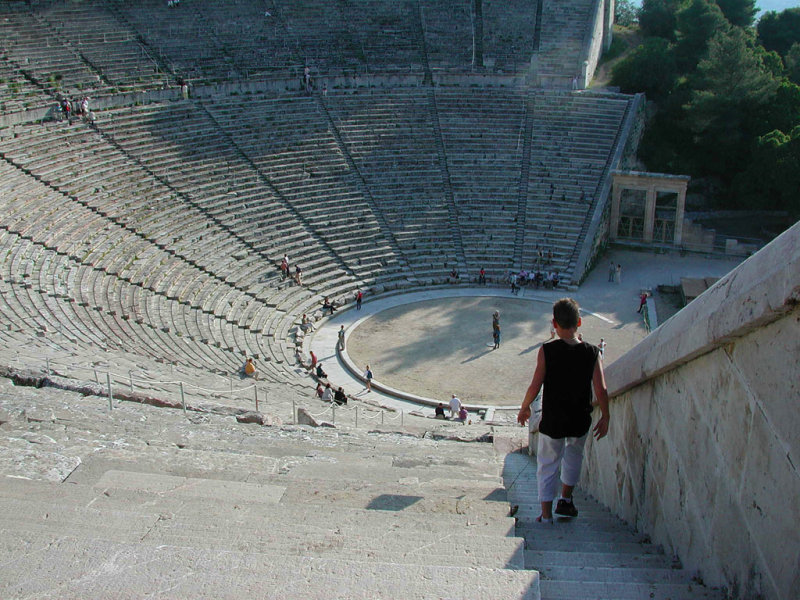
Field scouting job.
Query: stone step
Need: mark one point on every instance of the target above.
(628, 556)
(436, 497)
(334, 541)
(78, 568)
(282, 537)
(261, 509)
(583, 590)
(580, 527)
(615, 574)
(594, 556)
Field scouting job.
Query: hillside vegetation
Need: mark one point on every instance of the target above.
(726, 97)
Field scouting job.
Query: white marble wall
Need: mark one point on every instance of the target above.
(704, 448)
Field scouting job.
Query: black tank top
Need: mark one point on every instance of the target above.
(567, 395)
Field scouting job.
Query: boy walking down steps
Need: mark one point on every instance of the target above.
(568, 369)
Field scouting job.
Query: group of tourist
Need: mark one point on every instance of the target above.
(308, 79)
(66, 108)
(327, 395)
(614, 272)
(286, 271)
(458, 411)
(535, 278)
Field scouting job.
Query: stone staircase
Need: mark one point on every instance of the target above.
(455, 232)
(519, 234)
(595, 556)
(142, 501)
(145, 501)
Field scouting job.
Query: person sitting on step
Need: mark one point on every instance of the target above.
(320, 372)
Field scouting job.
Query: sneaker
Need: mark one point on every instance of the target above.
(565, 509)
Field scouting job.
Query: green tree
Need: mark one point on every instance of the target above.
(793, 63)
(626, 13)
(739, 12)
(650, 68)
(668, 144)
(771, 59)
(697, 24)
(783, 111)
(658, 18)
(731, 95)
(772, 177)
(779, 31)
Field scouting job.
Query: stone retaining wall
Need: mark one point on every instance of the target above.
(594, 44)
(703, 450)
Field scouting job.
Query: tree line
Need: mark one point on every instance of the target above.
(724, 97)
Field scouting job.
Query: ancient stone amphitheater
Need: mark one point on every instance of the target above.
(139, 266)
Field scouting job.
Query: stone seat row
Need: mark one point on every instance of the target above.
(100, 249)
(30, 197)
(204, 191)
(140, 324)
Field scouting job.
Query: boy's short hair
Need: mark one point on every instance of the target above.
(566, 312)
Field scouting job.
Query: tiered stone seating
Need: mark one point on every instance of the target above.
(368, 36)
(162, 490)
(564, 27)
(16, 92)
(259, 45)
(95, 308)
(388, 34)
(573, 139)
(290, 142)
(33, 46)
(115, 45)
(483, 131)
(125, 278)
(390, 138)
(79, 161)
(508, 34)
(447, 26)
(185, 200)
(181, 38)
(108, 45)
(182, 146)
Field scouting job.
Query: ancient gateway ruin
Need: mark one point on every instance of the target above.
(159, 161)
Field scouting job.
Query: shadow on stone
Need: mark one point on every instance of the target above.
(392, 502)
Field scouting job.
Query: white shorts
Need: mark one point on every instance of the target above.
(552, 455)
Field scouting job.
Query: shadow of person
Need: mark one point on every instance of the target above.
(476, 357)
(530, 349)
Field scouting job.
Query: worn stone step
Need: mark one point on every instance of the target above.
(627, 556)
(615, 574)
(78, 568)
(587, 590)
(132, 497)
(586, 530)
(282, 537)
(431, 497)
(335, 541)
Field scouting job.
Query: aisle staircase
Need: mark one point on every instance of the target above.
(595, 556)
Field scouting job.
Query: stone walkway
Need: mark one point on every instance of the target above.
(434, 342)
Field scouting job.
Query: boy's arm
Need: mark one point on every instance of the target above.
(533, 389)
(601, 393)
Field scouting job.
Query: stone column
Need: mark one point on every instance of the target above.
(679, 216)
(613, 221)
(649, 214)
